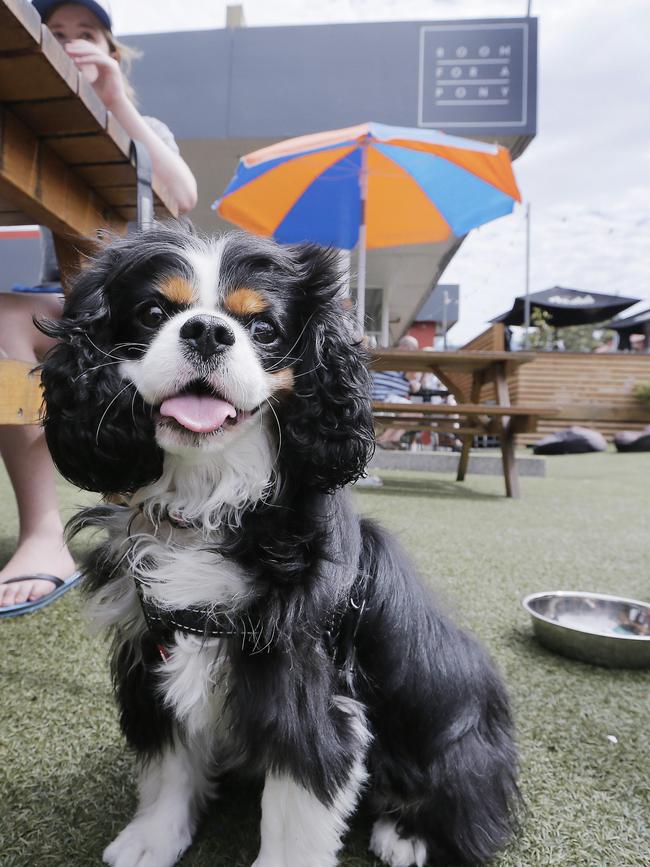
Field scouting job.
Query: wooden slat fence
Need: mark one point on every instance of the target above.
(592, 390)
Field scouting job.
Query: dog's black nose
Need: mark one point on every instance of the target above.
(207, 335)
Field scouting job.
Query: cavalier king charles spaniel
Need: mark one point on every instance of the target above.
(216, 389)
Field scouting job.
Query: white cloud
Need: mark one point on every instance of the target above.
(571, 245)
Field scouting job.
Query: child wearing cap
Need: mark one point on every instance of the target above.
(42, 567)
(84, 30)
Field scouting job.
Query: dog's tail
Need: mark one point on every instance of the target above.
(444, 762)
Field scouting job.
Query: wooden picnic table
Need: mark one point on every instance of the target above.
(470, 417)
(65, 163)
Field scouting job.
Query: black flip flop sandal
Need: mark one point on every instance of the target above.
(61, 586)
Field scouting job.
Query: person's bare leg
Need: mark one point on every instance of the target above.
(390, 436)
(41, 546)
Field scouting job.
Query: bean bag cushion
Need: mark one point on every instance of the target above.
(572, 441)
(633, 441)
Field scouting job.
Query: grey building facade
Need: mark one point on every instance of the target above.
(227, 92)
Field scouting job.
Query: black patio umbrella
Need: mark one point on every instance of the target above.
(568, 307)
(637, 324)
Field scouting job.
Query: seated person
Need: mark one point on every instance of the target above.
(396, 386)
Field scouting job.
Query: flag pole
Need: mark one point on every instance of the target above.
(361, 244)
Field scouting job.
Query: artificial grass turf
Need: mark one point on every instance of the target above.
(66, 785)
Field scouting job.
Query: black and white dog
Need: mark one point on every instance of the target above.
(257, 622)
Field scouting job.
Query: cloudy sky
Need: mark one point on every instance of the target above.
(586, 175)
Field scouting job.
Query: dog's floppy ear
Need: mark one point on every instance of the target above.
(99, 431)
(327, 431)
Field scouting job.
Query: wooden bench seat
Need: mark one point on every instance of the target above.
(424, 415)
(470, 417)
(466, 420)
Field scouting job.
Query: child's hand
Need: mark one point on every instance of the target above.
(101, 70)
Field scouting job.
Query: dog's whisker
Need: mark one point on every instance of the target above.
(290, 359)
(96, 367)
(279, 426)
(307, 372)
(135, 394)
(297, 340)
(99, 349)
(120, 392)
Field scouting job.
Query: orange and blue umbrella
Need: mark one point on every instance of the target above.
(370, 186)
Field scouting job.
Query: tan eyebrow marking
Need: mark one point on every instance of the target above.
(245, 301)
(178, 290)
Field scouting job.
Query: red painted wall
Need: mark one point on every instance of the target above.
(424, 332)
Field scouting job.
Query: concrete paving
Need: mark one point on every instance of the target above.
(441, 462)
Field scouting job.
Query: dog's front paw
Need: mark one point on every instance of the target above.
(147, 842)
(397, 851)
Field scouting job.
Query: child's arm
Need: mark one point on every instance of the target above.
(169, 168)
(415, 381)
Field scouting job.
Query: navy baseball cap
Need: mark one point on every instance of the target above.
(99, 8)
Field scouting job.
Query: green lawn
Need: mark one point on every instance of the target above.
(65, 777)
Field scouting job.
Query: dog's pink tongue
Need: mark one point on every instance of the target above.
(199, 413)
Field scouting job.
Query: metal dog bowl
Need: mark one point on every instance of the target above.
(593, 627)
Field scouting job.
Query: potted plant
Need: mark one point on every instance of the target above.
(642, 393)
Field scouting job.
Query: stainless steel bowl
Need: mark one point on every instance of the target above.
(593, 627)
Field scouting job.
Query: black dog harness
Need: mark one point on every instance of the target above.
(214, 622)
(202, 622)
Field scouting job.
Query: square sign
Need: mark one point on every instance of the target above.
(474, 76)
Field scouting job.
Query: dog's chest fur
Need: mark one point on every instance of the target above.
(179, 568)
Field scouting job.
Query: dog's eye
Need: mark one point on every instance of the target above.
(151, 316)
(262, 331)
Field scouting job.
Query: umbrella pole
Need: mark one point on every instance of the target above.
(527, 296)
(361, 245)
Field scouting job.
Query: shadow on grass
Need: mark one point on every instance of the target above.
(529, 647)
(7, 548)
(438, 488)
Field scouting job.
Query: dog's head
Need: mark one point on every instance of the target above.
(172, 343)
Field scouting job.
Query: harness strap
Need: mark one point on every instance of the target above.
(342, 621)
(214, 623)
(203, 622)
